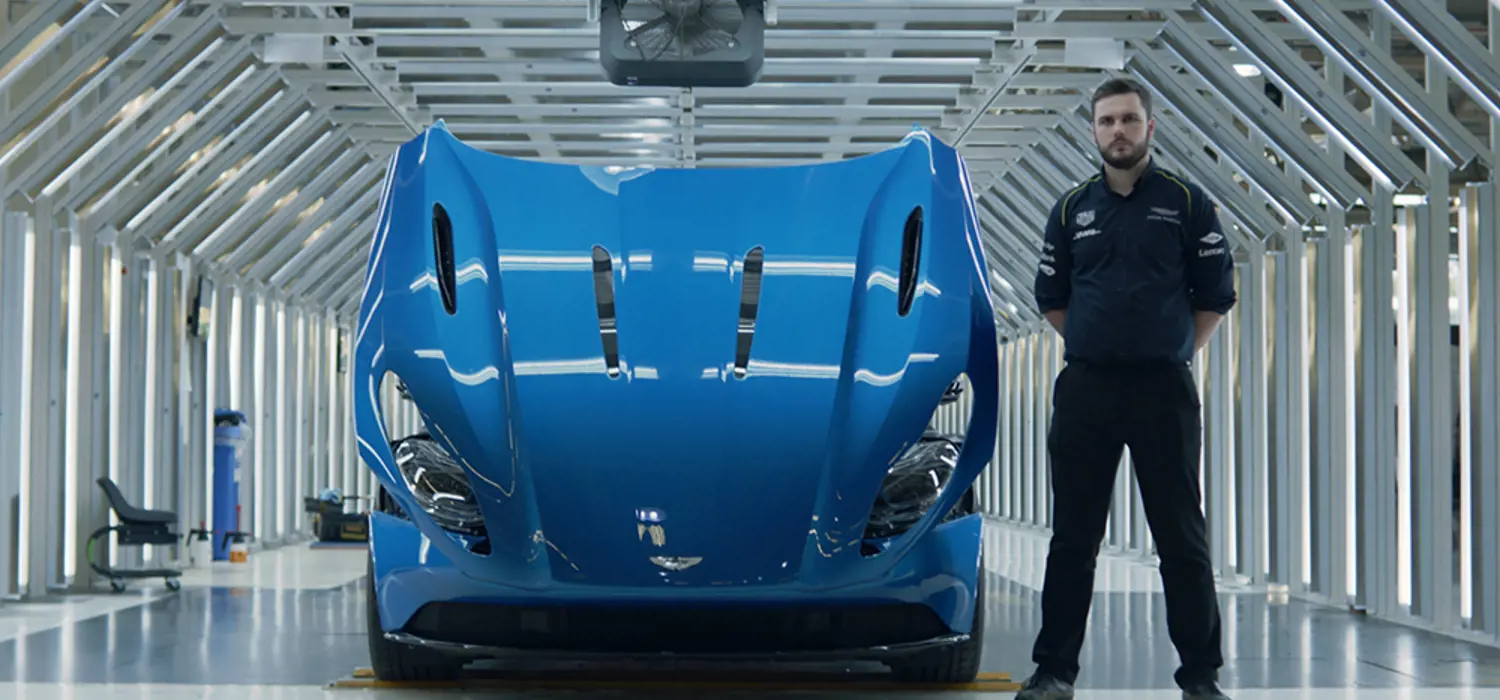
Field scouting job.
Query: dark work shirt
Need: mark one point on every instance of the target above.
(1132, 270)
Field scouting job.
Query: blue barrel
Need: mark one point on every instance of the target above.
(230, 432)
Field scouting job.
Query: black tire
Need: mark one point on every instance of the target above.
(392, 661)
(957, 663)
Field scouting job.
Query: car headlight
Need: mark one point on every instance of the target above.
(439, 485)
(912, 485)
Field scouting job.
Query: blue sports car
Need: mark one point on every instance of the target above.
(679, 411)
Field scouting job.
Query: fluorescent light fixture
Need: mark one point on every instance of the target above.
(1403, 424)
(153, 398)
(75, 407)
(330, 376)
(1247, 70)
(1304, 459)
(113, 279)
(259, 505)
(299, 410)
(28, 336)
(236, 353)
(282, 487)
(1351, 489)
(1469, 217)
(1409, 200)
(1000, 280)
(211, 401)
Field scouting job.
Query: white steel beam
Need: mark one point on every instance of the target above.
(1378, 74)
(129, 192)
(787, 11)
(341, 254)
(1479, 256)
(1432, 375)
(1479, 243)
(1452, 46)
(944, 93)
(1324, 104)
(39, 103)
(1263, 118)
(41, 516)
(256, 200)
(325, 182)
(163, 128)
(20, 36)
(1199, 118)
(779, 40)
(305, 243)
(16, 272)
(84, 507)
(239, 144)
(126, 100)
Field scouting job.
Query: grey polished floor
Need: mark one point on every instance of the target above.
(243, 633)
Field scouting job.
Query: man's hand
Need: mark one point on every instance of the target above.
(1058, 319)
(1208, 322)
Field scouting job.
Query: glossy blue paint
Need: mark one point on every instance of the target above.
(940, 572)
(583, 475)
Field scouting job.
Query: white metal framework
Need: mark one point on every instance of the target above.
(189, 187)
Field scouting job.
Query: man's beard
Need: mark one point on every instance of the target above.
(1126, 161)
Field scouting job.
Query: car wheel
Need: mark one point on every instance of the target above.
(393, 661)
(955, 663)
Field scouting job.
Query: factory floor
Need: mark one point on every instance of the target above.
(289, 625)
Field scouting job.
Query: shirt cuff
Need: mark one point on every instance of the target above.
(1218, 306)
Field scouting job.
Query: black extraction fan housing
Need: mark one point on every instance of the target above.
(682, 43)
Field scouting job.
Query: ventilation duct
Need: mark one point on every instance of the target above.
(682, 43)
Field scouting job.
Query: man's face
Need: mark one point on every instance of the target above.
(1121, 130)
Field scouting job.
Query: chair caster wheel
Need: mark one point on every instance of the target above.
(174, 585)
(117, 586)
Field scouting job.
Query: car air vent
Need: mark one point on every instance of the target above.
(442, 248)
(749, 307)
(911, 255)
(604, 301)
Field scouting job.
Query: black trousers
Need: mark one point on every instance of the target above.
(1097, 412)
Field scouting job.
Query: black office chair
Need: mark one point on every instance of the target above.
(137, 527)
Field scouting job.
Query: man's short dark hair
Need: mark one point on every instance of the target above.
(1122, 86)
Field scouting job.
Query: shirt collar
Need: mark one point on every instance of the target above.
(1146, 173)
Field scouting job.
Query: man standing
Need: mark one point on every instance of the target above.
(1135, 274)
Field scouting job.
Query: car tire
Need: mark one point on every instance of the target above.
(393, 661)
(955, 663)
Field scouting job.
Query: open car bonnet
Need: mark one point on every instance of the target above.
(670, 377)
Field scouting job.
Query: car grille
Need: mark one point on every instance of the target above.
(678, 629)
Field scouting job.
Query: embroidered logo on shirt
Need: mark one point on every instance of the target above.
(1084, 218)
(1086, 233)
(1164, 214)
(1212, 238)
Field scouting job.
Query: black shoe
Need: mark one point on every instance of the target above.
(1203, 690)
(1045, 686)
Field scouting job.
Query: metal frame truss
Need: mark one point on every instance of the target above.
(221, 160)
